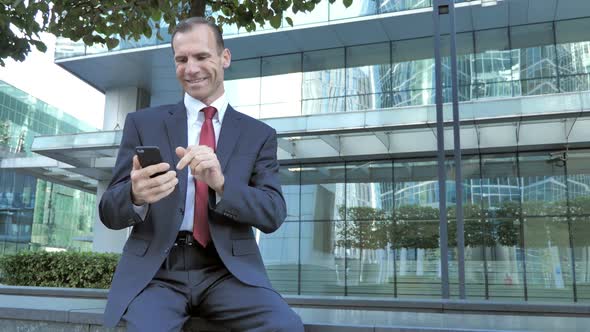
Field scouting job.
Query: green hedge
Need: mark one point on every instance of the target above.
(58, 269)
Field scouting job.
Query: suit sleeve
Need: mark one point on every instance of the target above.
(259, 203)
(116, 208)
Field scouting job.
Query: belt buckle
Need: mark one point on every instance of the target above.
(184, 239)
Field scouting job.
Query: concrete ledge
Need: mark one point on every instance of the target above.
(358, 303)
(57, 309)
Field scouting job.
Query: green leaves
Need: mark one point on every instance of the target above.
(275, 21)
(108, 22)
(58, 269)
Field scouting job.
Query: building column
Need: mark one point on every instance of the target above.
(118, 103)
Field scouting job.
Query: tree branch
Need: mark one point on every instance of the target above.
(198, 8)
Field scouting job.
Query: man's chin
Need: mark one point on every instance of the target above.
(195, 93)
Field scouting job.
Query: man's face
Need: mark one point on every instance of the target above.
(200, 64)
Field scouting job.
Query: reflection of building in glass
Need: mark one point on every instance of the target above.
(35, 213)
(352, 102)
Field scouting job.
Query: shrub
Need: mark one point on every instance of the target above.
(58, 269)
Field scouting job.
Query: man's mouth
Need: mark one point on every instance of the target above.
(196, 80)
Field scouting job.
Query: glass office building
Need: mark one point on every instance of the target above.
(351, 93)
(36, 214)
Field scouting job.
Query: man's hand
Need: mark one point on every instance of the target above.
(203, 164)
(150, 190)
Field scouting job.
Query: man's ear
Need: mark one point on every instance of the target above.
(226, 58)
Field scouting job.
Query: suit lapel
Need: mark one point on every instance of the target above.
(230, 133)
(176, 128)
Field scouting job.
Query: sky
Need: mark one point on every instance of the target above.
(43, 79)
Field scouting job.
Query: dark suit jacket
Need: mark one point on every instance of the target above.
(252, 196)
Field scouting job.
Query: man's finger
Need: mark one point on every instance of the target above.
(162, 190)
(180, 151)
(153, 169)
(136, 165)
(186, 159)
(206, 165)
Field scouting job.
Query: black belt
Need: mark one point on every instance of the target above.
(185, 238)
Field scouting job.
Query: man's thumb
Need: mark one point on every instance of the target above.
(136, 164)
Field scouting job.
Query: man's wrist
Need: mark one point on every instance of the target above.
(135, 201)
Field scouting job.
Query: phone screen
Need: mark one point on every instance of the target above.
(149, 155)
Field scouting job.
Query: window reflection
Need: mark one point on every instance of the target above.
(387, 6)
(324, 73)
(496, 63)
(280, 252)
(536, 58)
(356, 9)
(372, 228)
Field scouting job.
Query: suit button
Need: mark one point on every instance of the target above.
(166, 251)
(181, 211)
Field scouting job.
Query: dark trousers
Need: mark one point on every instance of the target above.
(194, 282)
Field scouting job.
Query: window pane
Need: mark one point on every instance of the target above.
(573, 54)
(536, 58)
(493, 64)
(326, 105)
(581, 241)
(243, 69)
(548, 259)
(322, 192)
(400, 5)
(243, 92)
(546, 238)
(317, 15)
(503, 224)
(369, 207)
(413, 64)
(415, 232)
(324, 74)
(290, 177)
(368, 69)
(280, 253)
(281, 88)
(578, 168)
(369, 102)
(413, 97)
(242, 84)
(356, 9)
(476, 239)
(544, 186)
(277, 110)
(322, 258)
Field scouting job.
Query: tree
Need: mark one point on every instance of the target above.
(107, 21)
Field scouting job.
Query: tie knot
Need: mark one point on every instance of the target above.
(209, 112)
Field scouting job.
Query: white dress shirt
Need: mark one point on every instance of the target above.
(195, 119)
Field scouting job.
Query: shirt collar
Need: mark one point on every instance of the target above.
(194, 107)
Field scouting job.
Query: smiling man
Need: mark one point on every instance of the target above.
(192, 250)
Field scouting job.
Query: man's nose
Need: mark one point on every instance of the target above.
(192, 66)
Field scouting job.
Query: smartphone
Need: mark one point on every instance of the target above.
(149, 155)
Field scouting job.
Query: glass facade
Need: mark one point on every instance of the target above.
(526, 60)
(36, 214)
(372, 228)
(323, 12)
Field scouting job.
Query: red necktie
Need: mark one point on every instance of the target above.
(201, 221)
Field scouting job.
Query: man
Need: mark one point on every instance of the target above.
(192, 249)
